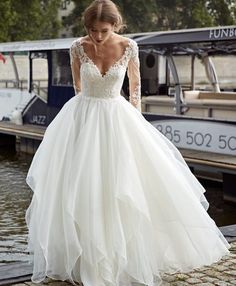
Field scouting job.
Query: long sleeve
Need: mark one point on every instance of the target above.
(134, 78)
(75, 68)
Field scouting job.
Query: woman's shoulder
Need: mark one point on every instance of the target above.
(78, 41)
(81, 41)
(123, 40)
(75, 45)
(76, 48)
(129, 45)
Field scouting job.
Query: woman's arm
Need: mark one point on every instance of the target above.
(134, 78)
(75, 68)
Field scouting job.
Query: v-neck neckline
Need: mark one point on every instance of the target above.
(117, 62)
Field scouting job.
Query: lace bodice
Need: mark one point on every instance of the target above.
(89, 81)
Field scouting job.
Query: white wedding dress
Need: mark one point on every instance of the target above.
(114, 201)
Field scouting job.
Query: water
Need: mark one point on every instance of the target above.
(15, 197)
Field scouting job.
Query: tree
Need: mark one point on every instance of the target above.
(6, 19)
(179, 14)
(74, 20)
(139, 15)
(28, 19)
(223, 11)
(153, 15)
(136, 14)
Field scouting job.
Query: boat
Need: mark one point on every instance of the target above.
(198, 114)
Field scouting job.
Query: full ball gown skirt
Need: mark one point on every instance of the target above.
(114, 201)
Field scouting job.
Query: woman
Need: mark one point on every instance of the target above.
(114, 201)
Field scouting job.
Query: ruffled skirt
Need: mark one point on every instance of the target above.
(114, 201)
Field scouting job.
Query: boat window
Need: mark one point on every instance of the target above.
(184, 69)
(14, 70)
(61, 71)
(200, 77)
(226, 71)
(40, 74)
(183, 66)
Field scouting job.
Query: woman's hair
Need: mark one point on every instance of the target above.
(103, 11)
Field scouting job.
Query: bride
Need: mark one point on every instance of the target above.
(114, 202)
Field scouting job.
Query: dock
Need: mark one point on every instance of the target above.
(26, 138)
(13, 273)
(27, 130)
(214, 167)
(226, 163)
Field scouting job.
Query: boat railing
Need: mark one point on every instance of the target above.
(40, 86)
(39, 89)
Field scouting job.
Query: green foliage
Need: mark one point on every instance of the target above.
(6, 19)
(50, 24)
(136, 15)
(223, 11)
(139, 15)
(28, 19)
(74, 20)
(37, 19)
(183, 14)
(153, 15)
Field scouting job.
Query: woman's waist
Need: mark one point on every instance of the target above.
(100, 97)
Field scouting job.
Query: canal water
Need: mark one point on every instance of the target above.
(15, 197)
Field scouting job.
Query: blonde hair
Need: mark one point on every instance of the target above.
(103, 11)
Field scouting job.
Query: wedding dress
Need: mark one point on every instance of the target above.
(114, 201)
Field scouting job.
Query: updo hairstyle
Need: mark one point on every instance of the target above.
(103, 11)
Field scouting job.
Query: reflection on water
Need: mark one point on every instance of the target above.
(15, 197)
(223, 213)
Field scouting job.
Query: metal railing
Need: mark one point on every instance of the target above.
(40, 86)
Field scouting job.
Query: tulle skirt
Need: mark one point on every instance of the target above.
(114, 201)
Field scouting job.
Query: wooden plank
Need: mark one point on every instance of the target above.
(15, 270)
(11, 281)
(26, 130)
(15, 273)
(210, 159)
(229, 232)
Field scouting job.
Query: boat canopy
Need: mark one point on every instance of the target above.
(39, 45)
(50, 44)
(214, 41)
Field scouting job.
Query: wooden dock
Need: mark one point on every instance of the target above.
(15, 273)
(209, 159)
(27, 130)
(26, 138)
(215, 167)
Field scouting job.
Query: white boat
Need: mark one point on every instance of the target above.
(192, 115)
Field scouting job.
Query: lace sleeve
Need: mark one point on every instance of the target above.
(134, 78)
(75, 67)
